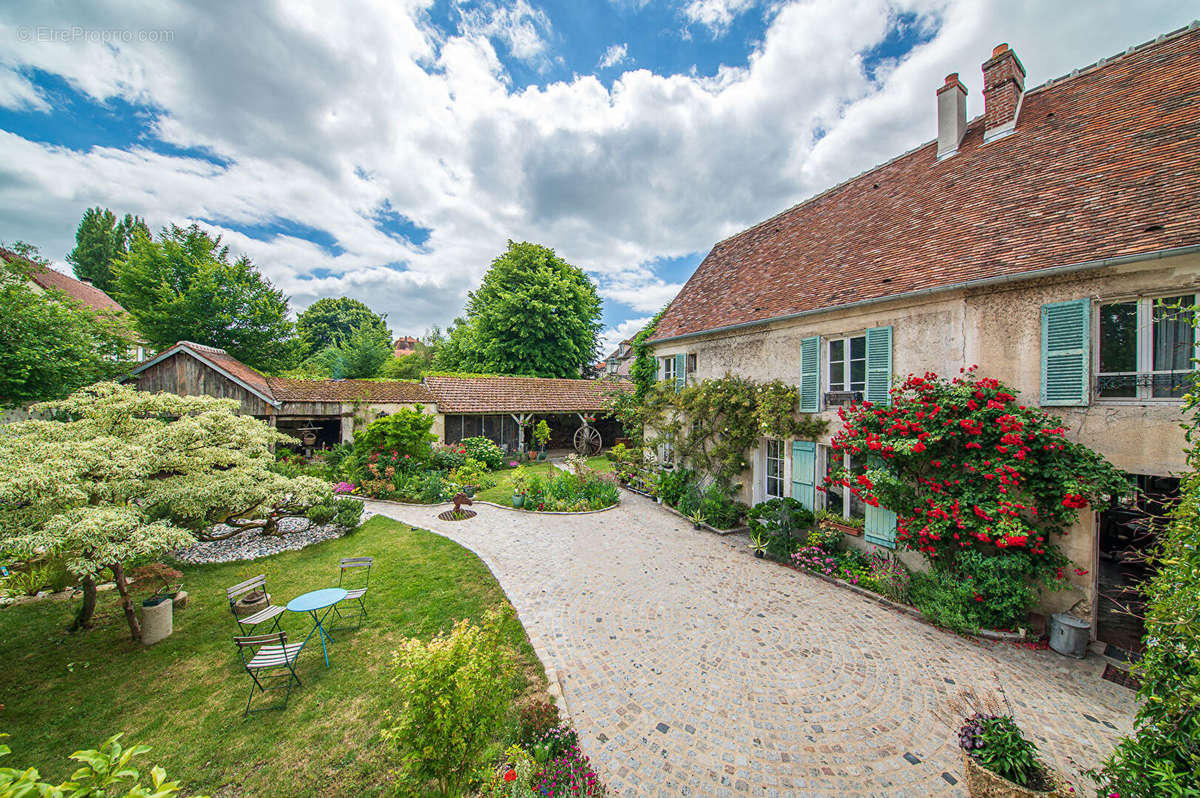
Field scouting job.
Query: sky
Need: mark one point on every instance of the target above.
(387, 151)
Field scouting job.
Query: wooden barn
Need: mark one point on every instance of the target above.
(325, 412)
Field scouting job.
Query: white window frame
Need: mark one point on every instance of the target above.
(781, 459)
(1145, 347)
(824, 451)
(846, 383)
(668, 371)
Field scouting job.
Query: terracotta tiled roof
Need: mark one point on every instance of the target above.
(291, 390)
(50, 280)
(1105, 163)
(519, 394)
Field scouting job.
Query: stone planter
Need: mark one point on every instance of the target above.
(251, 603)
(983, 783)
(157, 619)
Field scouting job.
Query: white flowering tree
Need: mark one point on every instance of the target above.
(117, 474)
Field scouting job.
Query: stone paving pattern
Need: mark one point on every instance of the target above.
(692, 669)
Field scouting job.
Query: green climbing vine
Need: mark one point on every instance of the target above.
(712, 425)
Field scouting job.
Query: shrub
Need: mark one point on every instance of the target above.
(982, 591)
(513, 778)
(673, 485)
(571, 492)
(618, 453)
(453, 693)
(888, 576)
(471, 472)
(405, 432)
(722, 511)
(448, 458)
(107, 771)
(996, 742)
(767, 516)
(485, 451)
(536, 720)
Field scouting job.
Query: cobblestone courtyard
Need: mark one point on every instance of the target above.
(690, 668)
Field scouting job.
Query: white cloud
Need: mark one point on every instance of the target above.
(613, 56)
(716, 15)
(324, 112)
(615, 335)
(519, 26)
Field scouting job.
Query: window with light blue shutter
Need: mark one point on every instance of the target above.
(879, 523)
(879, 365)
(880, 527)
(804, 473)
(1066, 353)
(680, 371)
(810, 375)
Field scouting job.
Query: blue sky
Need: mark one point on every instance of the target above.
(387, 152)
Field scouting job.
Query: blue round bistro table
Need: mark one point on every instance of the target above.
(314, 602)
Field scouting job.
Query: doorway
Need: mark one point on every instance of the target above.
(1128, 531)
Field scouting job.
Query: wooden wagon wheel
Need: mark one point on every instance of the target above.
(587, 441)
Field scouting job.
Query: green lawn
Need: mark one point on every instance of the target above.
(184, 697)
(502, 492)
(600, 463)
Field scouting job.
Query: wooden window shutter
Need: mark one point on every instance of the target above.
(680, 371)
(804, 473)
(879, 525)
(1066, 353)
(879, 365)
(810, 374)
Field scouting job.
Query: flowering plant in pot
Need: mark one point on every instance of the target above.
(541, 434)
(520, 486)
(998, 760)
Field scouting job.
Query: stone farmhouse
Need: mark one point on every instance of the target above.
(1034, 240)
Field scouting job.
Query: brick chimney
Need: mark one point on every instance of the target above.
(952, 116)
(1003, 87)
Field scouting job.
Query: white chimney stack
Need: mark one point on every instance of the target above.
(952, 116)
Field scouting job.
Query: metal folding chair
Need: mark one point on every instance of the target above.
(267, 654)
(271, 611)
(347, 576)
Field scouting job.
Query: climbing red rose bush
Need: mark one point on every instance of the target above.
(967, 468)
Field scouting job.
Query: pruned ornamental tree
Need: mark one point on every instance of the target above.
(117, 474)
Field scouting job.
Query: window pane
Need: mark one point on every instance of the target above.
(858, 375)
(1173, 336)
(833, 495)
(837, 351)
(1118, 350)
(858, 347)
(837, 377)
(856, 509)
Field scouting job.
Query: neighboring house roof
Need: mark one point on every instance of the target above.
(519, 394)
(405, 344)
(1102, 164)
(292, 390)
(50, 280)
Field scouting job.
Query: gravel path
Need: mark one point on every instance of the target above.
(691, 668)
(251, 544)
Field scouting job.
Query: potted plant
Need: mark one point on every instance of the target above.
(697, 518)
(520, 484)
(158, 608)
(758, 542)
(998, 760)
(541, 434)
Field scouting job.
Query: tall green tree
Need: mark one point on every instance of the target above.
(534, 315)
(100, 240)
(360, 355)
(185, 287)
(50, 344)
(331, 321)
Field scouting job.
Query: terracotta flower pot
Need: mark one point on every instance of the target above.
(983, 783)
